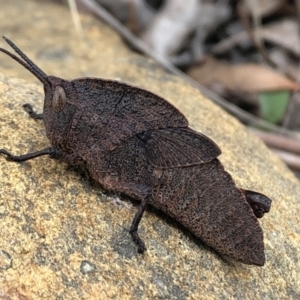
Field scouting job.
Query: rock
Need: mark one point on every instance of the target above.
(61, 238)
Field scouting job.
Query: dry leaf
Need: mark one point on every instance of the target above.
(171, 26)
(248, 77)
(284, 33)
(263, 7)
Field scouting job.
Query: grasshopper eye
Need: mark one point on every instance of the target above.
(59, 99)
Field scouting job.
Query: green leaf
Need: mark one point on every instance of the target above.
(272, 105)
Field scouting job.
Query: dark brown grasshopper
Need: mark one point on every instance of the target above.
(135, 142)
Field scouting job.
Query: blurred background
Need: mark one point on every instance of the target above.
(243, 55)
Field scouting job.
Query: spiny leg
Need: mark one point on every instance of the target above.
(53, 153)
(135, 224)
(32, 114)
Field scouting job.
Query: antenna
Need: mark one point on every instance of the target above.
(26, 62)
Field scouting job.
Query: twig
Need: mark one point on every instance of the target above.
(278, 141)
(297, 3)
(245, 21)
(76, 18)
(288, 118)
(101, 13)
(257, 43)
(291, 160)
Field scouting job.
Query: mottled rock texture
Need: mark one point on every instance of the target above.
(61, 238)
